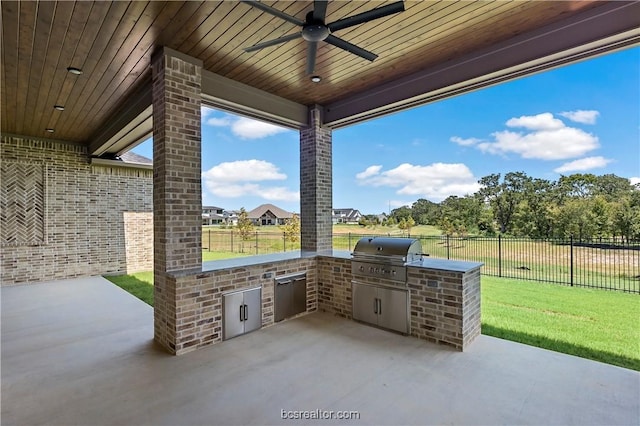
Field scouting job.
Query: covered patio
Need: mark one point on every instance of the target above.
(84, 82)
(81, 352)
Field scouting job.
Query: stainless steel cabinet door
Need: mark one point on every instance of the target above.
(392, 309)
(233, 315)
(299, 298)
(252, 309)
(282, 299)
(365, 302)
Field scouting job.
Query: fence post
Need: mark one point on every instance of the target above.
(448, 253)
(209, 239)
(500, 255)
(232, 241)
(349, 241)
(256, 242)
(284, 241)
(571, 258)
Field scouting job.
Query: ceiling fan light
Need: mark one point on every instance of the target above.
(74, 70)
(316, 78)
(58, 107)
(50, 130)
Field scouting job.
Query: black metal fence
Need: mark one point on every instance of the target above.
(612, 264)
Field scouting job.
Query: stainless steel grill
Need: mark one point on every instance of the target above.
(386, 258)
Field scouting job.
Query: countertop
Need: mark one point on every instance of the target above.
(216, 265)
(239, 262)
(447, 265)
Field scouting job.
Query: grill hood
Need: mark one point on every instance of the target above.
(391, 250)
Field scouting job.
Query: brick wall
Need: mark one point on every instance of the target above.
(96, 219)
(316, 191)
(199, 298)
(445, 306)
(334, 286)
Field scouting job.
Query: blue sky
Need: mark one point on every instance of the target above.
(582, 118)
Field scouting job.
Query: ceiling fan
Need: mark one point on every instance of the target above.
(315, 30)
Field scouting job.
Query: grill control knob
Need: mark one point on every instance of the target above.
(361, 268)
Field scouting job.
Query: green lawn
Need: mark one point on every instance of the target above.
(596, 324)
(139, 284)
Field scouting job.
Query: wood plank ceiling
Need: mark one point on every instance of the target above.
(112, 43)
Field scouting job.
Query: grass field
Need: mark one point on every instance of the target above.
(594, 324)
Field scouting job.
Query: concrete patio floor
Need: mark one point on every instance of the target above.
(81, 352)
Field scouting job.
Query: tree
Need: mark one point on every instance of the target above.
(245, 225)
(577, 185)
(291, 229)
(625, 217)
(503, 197)
(425, 212)
(532, 217)
(401, 213)
(574, 218)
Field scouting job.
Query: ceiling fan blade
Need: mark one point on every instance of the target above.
(272, 42)
(352, 48)
(274, 12)
(319, 10)
(312, 50)
(367, 16)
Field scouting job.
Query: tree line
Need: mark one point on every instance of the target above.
(584, 206)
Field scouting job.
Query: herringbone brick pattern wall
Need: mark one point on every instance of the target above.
(84, 220)
(22, 203)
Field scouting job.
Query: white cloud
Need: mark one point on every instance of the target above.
(544, 137)
(581, 116)
(634, 180)
(218, 121)
(242, 178)
(247, 128)
(465, 142)
(243, 127)
(369, 171)
(583, 164)
(244, 171)
(435, 181)
(544, 121)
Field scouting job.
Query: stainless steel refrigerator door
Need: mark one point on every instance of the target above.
(365, 302)
(392, 309)
(233, 315)
(252, 309)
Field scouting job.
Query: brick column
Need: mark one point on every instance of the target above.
(177, 194)
(316, 184)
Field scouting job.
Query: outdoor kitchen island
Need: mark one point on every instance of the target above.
(444, 295)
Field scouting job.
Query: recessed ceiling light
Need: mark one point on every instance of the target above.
(74, 71)
(50, 130)
(58, 107)
(316, 78)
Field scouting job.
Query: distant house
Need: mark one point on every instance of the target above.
(346, 216)
(268, 214)
(231, 217)
(212, 215)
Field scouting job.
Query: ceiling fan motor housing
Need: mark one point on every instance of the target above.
(315, 32)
